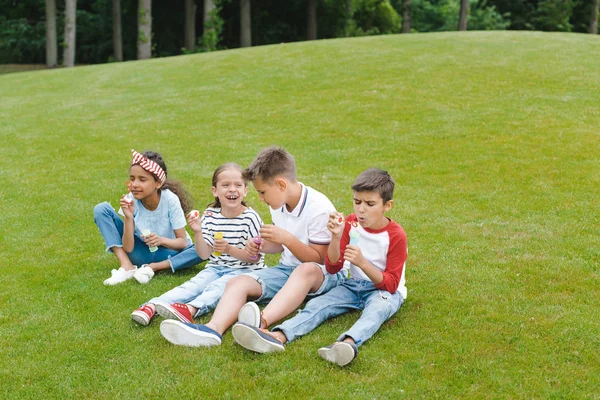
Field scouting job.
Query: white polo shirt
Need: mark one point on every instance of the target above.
(308, 221)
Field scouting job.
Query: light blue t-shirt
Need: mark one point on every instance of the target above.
(163, 221)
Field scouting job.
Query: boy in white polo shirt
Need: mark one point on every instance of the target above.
(372, 248)
(299, 231)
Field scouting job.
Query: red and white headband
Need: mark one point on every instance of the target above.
(148, 165)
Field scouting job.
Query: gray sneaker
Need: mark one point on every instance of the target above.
(340, 353)
(254, 339)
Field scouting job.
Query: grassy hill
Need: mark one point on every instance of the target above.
(492, 139)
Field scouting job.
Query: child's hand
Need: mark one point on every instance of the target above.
(221, 246)
(274, 234)
(334, 225)
(252, 249)
(193, 220)
(354, 255)
(152, 239)
(127, 207)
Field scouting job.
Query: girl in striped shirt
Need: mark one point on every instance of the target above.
(228, 216)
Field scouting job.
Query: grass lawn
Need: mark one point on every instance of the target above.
(493, 139)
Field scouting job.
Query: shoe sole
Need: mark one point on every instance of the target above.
(249, 339)
(182, 335)
(167, 312)
(339, 354)
(250, 315)
(140, 318)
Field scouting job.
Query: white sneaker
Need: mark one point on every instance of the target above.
(143, 274)
(250, 314)
(340, 353)
(119, 276)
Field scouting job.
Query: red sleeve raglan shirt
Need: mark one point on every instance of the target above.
(385, 248)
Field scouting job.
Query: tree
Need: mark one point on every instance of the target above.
(190, 25)
(209, 7)
(462, 15)
(144, 42)
(311, 25)
(51, 50)
(70, 25)
(245, 24)
(594, 17)
(406, 16)
(117, 35)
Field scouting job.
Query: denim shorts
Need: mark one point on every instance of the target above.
(272, 280)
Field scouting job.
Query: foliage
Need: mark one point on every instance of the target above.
(373, 17)
(553, 15)
(21, 42)
(484, 17)
(213, 30)
(442, 15)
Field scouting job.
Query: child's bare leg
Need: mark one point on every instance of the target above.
(193, 310)
(123, 258)
(279, 335)
(236, 294)
(306, 278)
(160, 266)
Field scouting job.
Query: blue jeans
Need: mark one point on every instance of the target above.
(111, 228)
(272, 280)
(378, 306)
(202, 291)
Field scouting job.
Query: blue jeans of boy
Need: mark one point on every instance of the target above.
(202, 291)
(272, 279)
(111, 225)
(378, 306)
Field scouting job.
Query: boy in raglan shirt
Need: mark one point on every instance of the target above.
(373, 249)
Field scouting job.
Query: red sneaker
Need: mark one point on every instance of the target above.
(177, 311)
(143, 315)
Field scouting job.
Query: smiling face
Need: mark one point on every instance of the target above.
(143, 183)
(230, 189)
(271, 193)
(370, 209)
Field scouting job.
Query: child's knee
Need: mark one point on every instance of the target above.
(308, 270)
(240, 283)
(101, 209)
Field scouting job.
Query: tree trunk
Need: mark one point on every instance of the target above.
(144, 42)
(117, 36)
(594, 17)
(190, 25)
(245, 24)
(311, 25)
(462, 16)
(70, 25)
(209, 6)
(406, 17)
(51, 48)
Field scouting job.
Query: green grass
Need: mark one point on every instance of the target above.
(492, 139)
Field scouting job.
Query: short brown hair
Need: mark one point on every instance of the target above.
(270, 163)
(375, 180)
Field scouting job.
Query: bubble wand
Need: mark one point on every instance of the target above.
(218, 235)
(257, 240)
